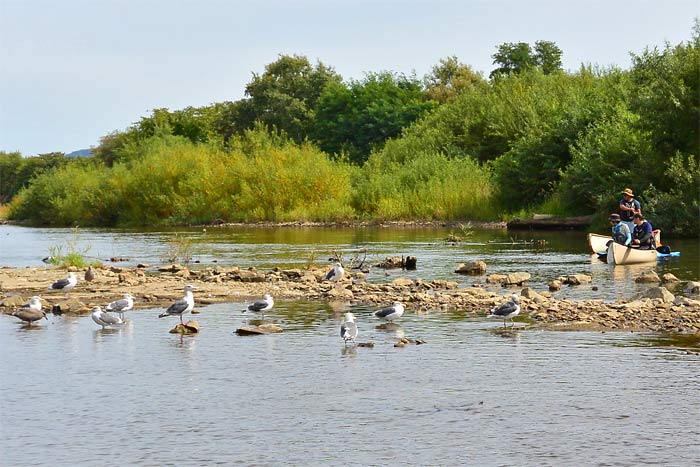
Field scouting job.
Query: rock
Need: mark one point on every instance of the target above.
(402, 282)
(13, 301)
(472, 267)
(341, 294)
(170, 268)
(248, 276)
(496, 279)
(554, 285)
(190, 327)
(143, 265)
(517, 278)
(266, 328)
(391, 262)
(648, 277)
(693, 287)
(529, 292)
(659, 292)
(668, 277)
(411, 263)
(578, 279)
(293, 274)
(400, 344)
(71, 306)
(369, 345)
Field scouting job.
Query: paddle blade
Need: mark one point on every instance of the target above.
(664, 249)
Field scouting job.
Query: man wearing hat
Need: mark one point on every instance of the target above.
(629, 207)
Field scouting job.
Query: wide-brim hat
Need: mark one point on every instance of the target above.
(628, 192)
(614, 217)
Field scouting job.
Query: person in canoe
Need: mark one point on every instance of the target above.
(629, 207)
(643, 233)
(620, 232)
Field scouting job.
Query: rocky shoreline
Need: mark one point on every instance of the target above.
(659, 311)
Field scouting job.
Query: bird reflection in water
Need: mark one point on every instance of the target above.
(393, 329)
(349, 351)
(507, 333)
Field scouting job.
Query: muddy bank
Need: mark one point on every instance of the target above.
(665, 313)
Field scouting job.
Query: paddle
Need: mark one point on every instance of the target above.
(664, 249)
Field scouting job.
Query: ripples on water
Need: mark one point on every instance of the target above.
(474, 394)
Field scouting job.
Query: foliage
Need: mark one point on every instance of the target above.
(74, 255)
(179, 248)
(450, 78)
(356, 118)
(518, 57)
(16, 171)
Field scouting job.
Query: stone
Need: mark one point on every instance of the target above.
(266, 328)
(402, 282)
(71, 306)
(248, 276)
(660, 293)
(648, 277)
(529, 292)
(693, 287)
(578, 279)
(472, 268)
(13, 301)
(340, 294)
(496, 279)
(170, 268)
(668, 277)
(190, 327)
(554, 285)
(517, 278)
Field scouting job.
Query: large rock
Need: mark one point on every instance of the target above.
(402, 282)
(70, 306)
(246, 275)
(554, 285)
(190, 327)
(265, 328)
(518, 278)
(13, 301)
(669, 278)
(531, 294)
(648, 277)
(659, 292)
(472, 267)
(578, 279)
(693, 287)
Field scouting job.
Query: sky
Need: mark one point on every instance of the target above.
(72, 71)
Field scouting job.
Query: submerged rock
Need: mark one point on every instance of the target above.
(266, 328)
(649, 277)
(472, 268)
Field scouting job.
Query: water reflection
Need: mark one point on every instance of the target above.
(349, 351)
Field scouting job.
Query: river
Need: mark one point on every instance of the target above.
(72, 394)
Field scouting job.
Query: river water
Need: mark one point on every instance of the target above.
(72, 394)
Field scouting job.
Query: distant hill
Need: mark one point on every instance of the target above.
(80, 153)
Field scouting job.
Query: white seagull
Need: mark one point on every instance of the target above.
(65, 284)
(335, 274)
(348, 328)
(508, 310)
(261, 306)
(31, 311)
(391, 313)
(103, 318)
(184, 305)
(121, 306)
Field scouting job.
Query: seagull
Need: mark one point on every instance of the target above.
(506, 311)
(65, 284)
(31, 311)
(348, 329)
(121, 306)
(261, 306)
(391, 313)
(104, 319)
(184, 305)
(335, 274)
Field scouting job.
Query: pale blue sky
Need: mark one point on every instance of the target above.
(75, 70)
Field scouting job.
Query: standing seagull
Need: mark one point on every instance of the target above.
(391, 313)
(66, 284)
(506, 311)
(184, 305)
(121, 306)
(31, 311)
(335, 274)
(348, 329)
(261, 306)
(104, 319)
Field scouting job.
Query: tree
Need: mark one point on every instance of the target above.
(450, 78)
(548, 56)
(515, 58)
(353, 119)
(285, 95)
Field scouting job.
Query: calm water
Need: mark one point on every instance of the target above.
(74, 395)
(265, 248)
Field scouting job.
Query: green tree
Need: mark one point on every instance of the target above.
(548, 56)
(16, 172)
(285, 96)
(512, 58)
(356, 118)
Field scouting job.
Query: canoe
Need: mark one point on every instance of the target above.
(621, 254)
(599, 243)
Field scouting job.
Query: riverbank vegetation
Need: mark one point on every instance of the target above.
(305, 144)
